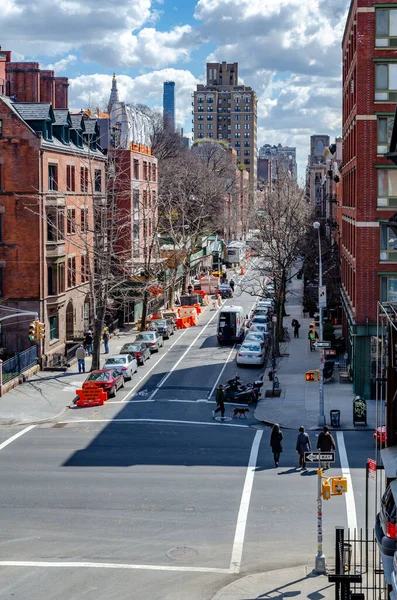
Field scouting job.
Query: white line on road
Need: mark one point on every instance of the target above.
(16, 436)
(92, 565)
(174, 421)
(162, 382)
(238, 544)
(349, 496)
(221, 373)
(153, 367)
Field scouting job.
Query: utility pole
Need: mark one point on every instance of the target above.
(320, 561)
(322, 303)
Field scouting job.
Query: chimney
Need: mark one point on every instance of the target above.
(5, 57)
(47, 87)
(24, 80)
(61, 92)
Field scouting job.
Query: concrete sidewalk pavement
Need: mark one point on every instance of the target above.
(299, 401)
(294, 581)
(48, 394)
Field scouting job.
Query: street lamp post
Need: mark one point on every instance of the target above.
(321, 299)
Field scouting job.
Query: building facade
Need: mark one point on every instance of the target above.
(369, 180)
(169, 105)
(225, 110)
(276, 161)
(316, 175)
(51, 172)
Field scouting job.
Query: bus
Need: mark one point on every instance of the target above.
(236, 253)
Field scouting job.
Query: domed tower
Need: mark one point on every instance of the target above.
(114, 94)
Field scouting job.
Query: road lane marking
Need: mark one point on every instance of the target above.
(349, 496)
(162, 382)
(173, 421)
(221, 373)
(153, 367)
(16, 436)
(92, 565)
(238, 544)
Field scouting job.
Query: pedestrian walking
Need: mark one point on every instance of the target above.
(105, 337)
(80, 355)
(220, 400)
(296, 326)
(302, 445)
(88, 342)
(313, 336)
(276, 439)
(325, 443)
(224, 277)
(232, 284)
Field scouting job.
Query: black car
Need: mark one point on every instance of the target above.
(386, 529)
(138, 351)
(225, 291)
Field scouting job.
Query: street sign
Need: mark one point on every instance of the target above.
(322, 296)
(320, 344)
(330, 352)
(319, 456)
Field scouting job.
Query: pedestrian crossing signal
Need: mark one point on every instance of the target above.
(339, 485)
(326, 489)
(32, 331)
(313, 375)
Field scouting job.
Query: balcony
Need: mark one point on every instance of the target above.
(55, 249)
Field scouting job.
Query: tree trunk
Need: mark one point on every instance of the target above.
(99, 321)
(146, 296)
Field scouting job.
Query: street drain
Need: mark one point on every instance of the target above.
(182, 553)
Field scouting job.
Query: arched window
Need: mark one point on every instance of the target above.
(320, 147)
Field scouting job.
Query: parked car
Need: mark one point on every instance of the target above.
(260, 320)
(163, 326)
(256, 336)
(251, 353)
(261, 312)
(386, 529)
(225, 291)
(152, 340)
(126, 363)
(263, 302)
(263, 327)
(109, 380)
(137, 350)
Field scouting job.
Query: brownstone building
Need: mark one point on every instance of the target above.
(51, 172)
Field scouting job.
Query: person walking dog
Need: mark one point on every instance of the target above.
(325, 443)
(302, 445)
(276, 438)
(220, 400)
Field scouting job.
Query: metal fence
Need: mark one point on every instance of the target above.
(19, 363)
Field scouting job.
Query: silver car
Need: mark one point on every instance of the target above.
(151, 339)
(125, 363)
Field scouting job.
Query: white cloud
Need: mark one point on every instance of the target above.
(63, 64)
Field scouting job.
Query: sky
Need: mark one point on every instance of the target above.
(289, 52)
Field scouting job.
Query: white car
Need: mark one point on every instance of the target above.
(263, 327)
(251, 353)
(125, 363)
(265, 303)
(260, 320)
(257, 337)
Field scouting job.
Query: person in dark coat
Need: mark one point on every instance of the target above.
(220, 400)
(296, 325)
(302, 445)
(231, 283)
(325, 443)
(276, 439)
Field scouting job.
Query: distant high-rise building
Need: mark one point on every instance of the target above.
(224, 110)
(274, 160)
(169, 105)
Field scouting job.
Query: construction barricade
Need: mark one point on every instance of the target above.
(91, 395)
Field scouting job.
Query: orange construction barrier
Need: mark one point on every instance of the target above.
(183, 322)
(91, 395)
(198, 308)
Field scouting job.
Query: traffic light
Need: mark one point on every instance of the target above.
(326, 489)
(32, 331)
(339, 485)
(40, 330)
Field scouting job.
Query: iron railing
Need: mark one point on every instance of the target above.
(19, 363)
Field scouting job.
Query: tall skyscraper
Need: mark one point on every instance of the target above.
(169, 105)
(225, 110)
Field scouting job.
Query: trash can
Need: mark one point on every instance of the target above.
(334, 416)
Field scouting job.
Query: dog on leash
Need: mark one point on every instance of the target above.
(241, 412)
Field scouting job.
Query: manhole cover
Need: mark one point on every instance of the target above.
(182, 553)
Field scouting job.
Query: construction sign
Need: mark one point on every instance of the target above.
(91, 395)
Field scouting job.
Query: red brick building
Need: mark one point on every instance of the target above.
(51, 172)
(368, 248)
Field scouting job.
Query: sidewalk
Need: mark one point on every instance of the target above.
(283, 583)
(48, 394)
(299, 401)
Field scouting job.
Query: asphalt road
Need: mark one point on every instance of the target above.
(149, 497)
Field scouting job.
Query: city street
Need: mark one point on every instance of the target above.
(148, 496)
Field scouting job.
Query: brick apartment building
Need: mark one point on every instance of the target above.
(51, 170)
(368, 246)
(225, 110)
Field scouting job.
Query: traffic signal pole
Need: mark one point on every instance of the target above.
(320, 561)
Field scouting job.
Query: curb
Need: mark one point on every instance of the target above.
(39, 422)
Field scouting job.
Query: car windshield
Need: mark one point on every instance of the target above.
(119, 360)
(99, 376)
(145, 336)
(259, 319)
(130, 348)
(259, 327)
(255, 335)
(250, 348)
(260, 311)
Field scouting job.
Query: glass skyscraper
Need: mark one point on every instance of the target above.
(169, 105)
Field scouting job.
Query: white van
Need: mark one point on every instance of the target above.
(231, 325)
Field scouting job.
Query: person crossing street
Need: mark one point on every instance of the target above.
(325, 443)
(220, 400)
(302, 445)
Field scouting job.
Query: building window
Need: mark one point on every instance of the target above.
(386, 28)
(1, 282)
(1, 128)
(237, 117)
(83, 179)
(237, 126)
(84, 219)
(385, 128)
(200, 99)
(238, 152)
(386, 82)
(247, 108)
(200, 117)
(136, 204)
(237, 99)
(220, 127)
(247, 117)
(247, 135)
(154, 172)
(84, 268)
(71, 221)
(53, 178)
(98, 180)
(220, 110)
(246, 161)
(71, 272)
(53, 328)
(136, 239)
(246, 125)
(1, 178)
(246, 152)
(200, 136)
(70, 178)
(210, 134)
(210, 109)
(246, 144)
(387, 187)
(61, 278)
(210, 117)
(210, 99)
(200, 126)
(237, 144)
(136, 168)
(209, 126)
(388, 289)
(51, 284)
(219, 136)
(247, 99)
(1, 228)
(237, 109)
(229, 127)
(200, 109)
(145, 171)
(388, 244)
(237, 135)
